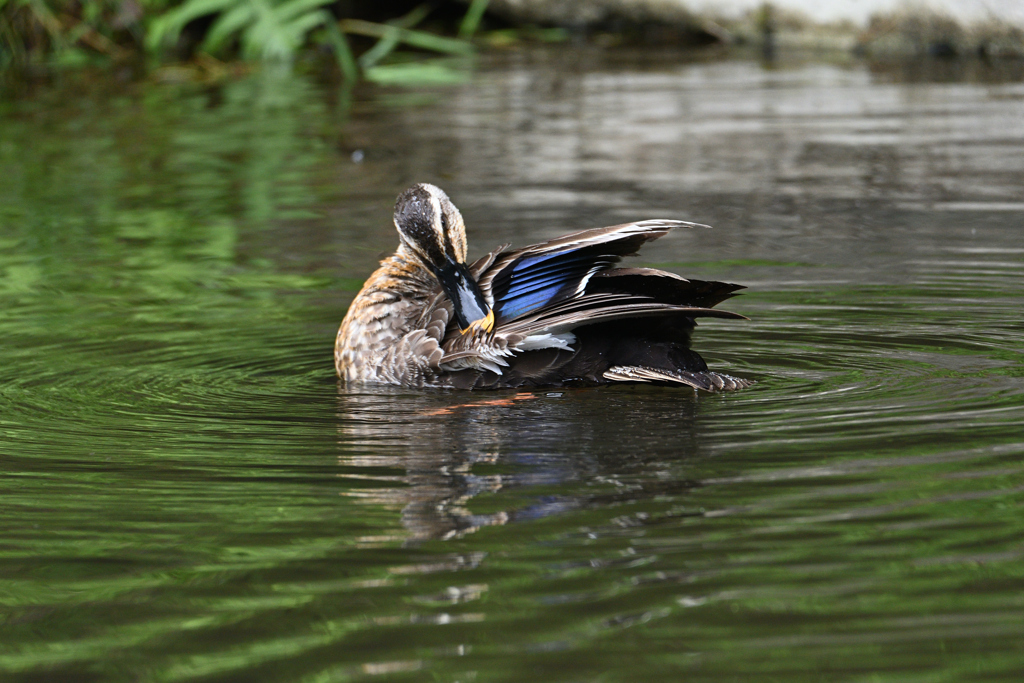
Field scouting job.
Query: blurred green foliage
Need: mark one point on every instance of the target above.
(75, 32)
(70, 31)
(266, 29)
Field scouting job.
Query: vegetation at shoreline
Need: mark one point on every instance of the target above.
(79, 32)
(399, 41)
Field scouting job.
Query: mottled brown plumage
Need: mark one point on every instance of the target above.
(551, 314)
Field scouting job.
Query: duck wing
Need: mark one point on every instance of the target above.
(555, 286)
(559, 307)
(523, 281)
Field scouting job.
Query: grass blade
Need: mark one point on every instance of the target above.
(342, 52)
(292, 9)
(227, 24)
(418, 14)
(380, 50)
(297, 29)
(388, 42)
(167, 27)
(471, 21)
(421, 39)
(424, 73)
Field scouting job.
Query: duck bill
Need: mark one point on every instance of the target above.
(471, 309)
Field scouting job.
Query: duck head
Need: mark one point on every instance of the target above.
(431, 228)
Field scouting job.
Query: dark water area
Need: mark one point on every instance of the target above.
(186, 494)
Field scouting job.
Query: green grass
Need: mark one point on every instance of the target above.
(63, 33)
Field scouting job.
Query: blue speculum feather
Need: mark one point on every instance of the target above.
(538, 281)
(524, 304)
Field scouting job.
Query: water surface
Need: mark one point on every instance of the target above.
(187, 494)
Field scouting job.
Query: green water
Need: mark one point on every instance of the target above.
(187, 494)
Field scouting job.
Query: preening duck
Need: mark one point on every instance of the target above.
(558, 313)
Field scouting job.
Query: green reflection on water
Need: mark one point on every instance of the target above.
(128, 220)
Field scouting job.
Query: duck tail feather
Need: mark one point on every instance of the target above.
(706, 381)
(663, 286)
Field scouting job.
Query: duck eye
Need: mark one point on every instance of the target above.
(444, 222)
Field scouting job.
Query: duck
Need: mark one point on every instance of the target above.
(561, 313)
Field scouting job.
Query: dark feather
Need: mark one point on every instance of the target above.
(663, 287)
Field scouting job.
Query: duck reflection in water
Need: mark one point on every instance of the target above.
(429, 455)
(558, 313)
